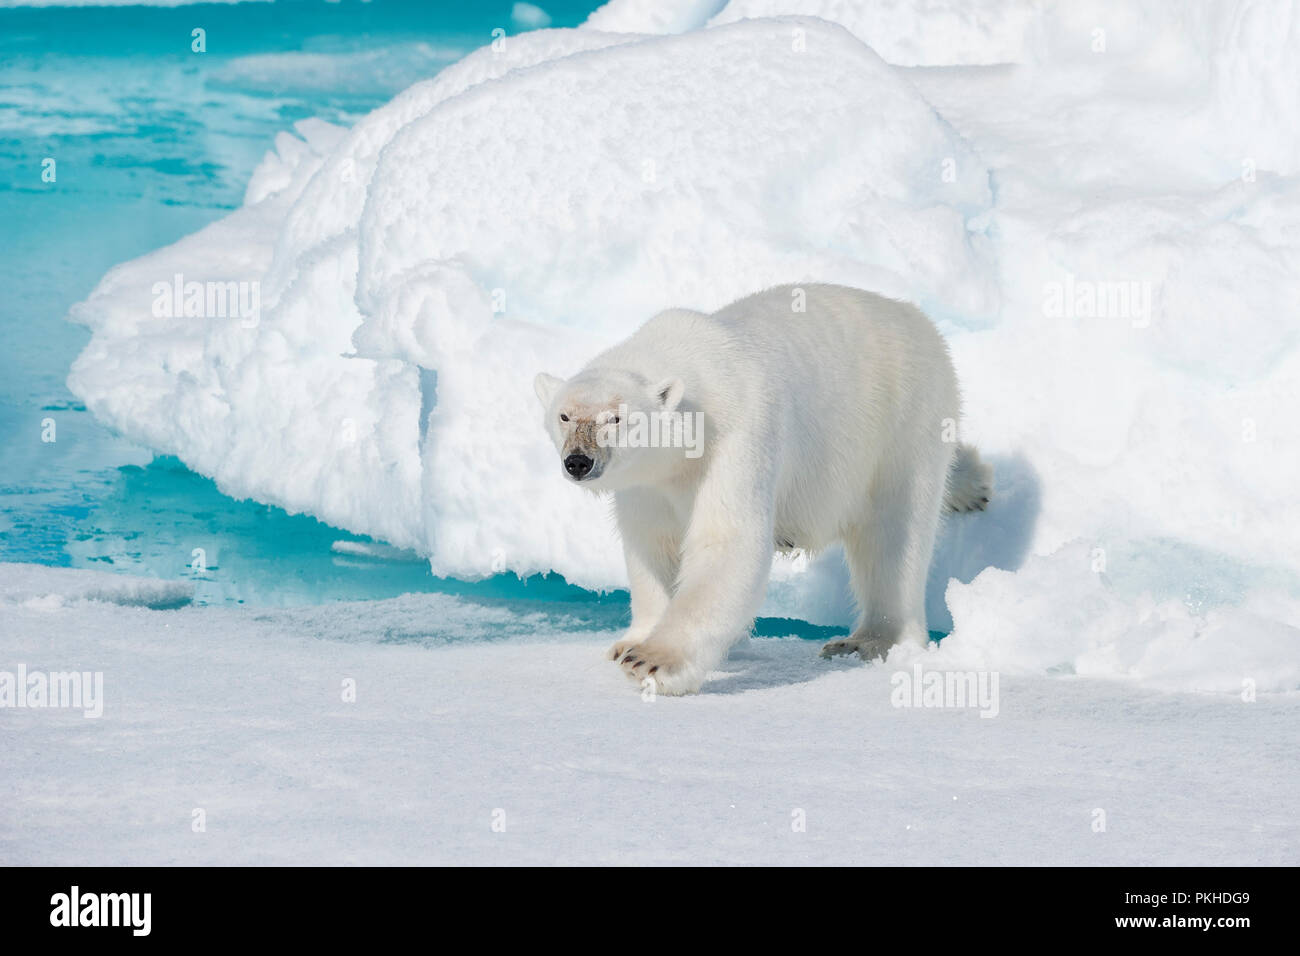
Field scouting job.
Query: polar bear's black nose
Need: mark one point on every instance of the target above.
(577, 465)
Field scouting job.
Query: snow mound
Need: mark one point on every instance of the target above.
(912, 33)
(652, 16)
(520, 211)
(40, 587)
(1060, 615)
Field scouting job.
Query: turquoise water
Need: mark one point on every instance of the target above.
(152, 141)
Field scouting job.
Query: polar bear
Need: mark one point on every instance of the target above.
(791, 419)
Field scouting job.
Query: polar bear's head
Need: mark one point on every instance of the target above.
(588, 418)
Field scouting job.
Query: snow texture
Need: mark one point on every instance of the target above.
(36, 586)
(468, 716)
(912, 33)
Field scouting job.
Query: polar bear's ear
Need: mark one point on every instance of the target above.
(546, 386)
(668, 394)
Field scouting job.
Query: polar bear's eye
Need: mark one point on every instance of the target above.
(564, 418)
(613, 420)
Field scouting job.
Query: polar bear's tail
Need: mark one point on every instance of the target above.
(970, 481)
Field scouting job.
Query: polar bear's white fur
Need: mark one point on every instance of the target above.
(828, 414)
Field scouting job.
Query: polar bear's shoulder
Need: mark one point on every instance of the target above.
(677, 332)
(677, 320)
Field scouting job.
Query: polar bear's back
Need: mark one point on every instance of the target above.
(820, 358)
(850, 388)
(856, 350)
(847, 393)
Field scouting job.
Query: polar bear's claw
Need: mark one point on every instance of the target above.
(619, 649)
(671, 671)
(865, 647)
(836, 648)
(970, 482)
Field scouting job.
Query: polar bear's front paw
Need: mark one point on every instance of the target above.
(621, 647)
(672, 671)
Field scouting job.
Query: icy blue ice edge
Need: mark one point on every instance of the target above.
(163, 520)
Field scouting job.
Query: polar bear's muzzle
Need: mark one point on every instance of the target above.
(578, 465)
(583, 456)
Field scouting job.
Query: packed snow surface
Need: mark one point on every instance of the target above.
(428, 730)
(1098, 203)
(34, 585)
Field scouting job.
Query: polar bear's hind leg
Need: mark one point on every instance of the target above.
(969, 482)
(888, 554)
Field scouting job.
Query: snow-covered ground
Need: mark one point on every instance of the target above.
(483, 735)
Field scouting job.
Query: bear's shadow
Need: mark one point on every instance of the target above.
(764, 662)
(997, 538)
